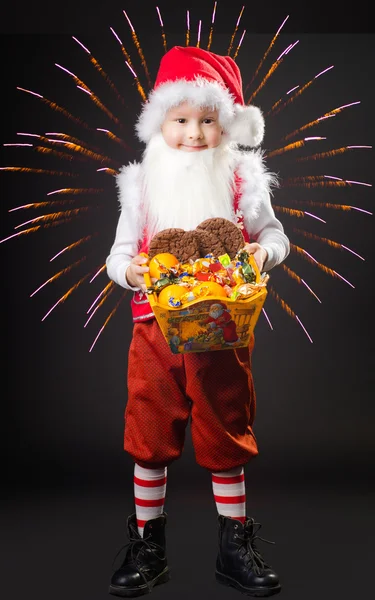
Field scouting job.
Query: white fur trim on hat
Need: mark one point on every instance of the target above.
(242, 124)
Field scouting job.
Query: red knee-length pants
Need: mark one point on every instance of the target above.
(214, 388)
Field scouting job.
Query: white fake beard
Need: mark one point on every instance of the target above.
(182, 189)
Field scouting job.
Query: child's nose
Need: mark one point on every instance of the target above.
(194, 131)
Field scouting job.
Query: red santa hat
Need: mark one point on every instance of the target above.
(204, 79)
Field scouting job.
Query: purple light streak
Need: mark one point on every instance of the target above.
(310, 290)
(129, 21)
(131, 69)
(352, 251)
(30, 92)
(19, 207)
(41, 286)
(309, 255)
(292, 90)
(343, 278)
(97, 273)
(199, 31)
(314, 216)
(82, 46)
(66, 70)
(239, 18)
(57, 191)
(188, 19)
(96, 300)
(30, 221)
(96, 339)
(304, 329)
(58, 254)
(361, 210)
(160, 19)
(347, 105)
(214, 13)
(116, 36)
(83, 90)
(269, 322)
(282, 25)
(325, 71)
(18, 145)
(242, 37)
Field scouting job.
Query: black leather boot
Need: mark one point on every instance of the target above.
(239, 563)
(145, 562)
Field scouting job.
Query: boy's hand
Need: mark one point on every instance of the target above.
(134, 272)
(259, 253)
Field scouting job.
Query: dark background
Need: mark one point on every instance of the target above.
(68, 483)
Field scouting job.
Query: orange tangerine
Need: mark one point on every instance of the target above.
(209, 288)
(173, 292)
(160, 263)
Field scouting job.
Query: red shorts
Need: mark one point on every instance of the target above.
(214, 388)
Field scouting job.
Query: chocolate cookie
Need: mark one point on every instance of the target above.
(184, 245)
(227, 233)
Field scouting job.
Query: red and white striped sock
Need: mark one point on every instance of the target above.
(230, 494)
(149, 494)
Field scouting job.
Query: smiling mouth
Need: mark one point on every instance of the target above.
(192, 148)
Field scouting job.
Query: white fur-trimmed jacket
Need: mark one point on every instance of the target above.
(254, 204)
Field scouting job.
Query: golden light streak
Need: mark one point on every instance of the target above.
(44, 171)
(14, 235)
(139, 49)
(76, 191)
(104, 291)
(72, 246)
(302, 252)
(311, 181)
(297, 278)
(212, 27)
(65, 296)
(239, 45)
(69, 214)
(102, 268)
(109, 171)
(56, 107)
(327, 115)
(266, 54)
(329, 153)
(129, 64)
(293, 146)
(162, 31)
(81, 150)
(42, 204)
(298, 93)
(108, 319)
(58, 275)
(288, 310)
(93, 97)
(105, 297)
(270, 72)
(44, 150)
(100, 69)
(234, 32)
(344, 207)
(289, 211)
(187, 37)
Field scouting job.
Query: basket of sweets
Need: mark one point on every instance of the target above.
(211, 303)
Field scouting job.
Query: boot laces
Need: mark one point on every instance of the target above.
(253, 555)
(136, 547)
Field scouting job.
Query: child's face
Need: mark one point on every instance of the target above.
(191, 129)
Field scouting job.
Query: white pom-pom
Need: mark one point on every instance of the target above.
(247, 127)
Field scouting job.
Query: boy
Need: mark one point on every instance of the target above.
(192, 170)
